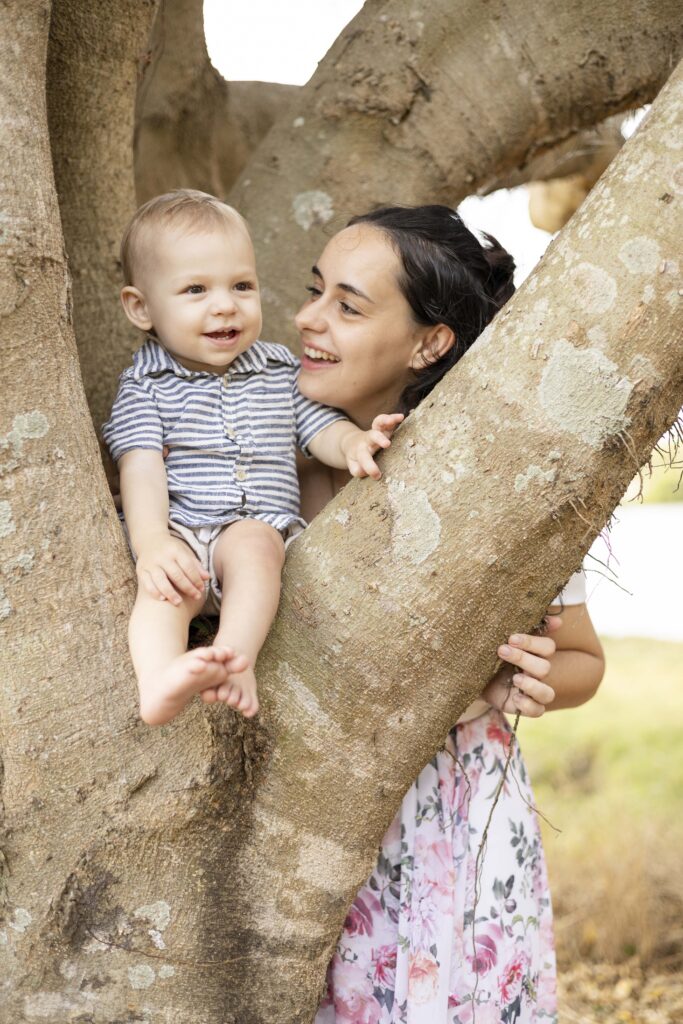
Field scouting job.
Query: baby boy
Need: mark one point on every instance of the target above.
(204, 429)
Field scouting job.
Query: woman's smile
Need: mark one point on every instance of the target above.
(314, 358)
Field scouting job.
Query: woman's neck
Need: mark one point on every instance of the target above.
(363, 412)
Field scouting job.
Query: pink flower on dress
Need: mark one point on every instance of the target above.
(512, 977)
(423, 977)
(359, 918)
(423, 912)
(436, 861)
(486, 949)
(546, 935)
(354, 1002)
(384, 964)
(546, 993)
(497, 734)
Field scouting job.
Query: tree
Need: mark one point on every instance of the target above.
(194, 129)
(201, 872)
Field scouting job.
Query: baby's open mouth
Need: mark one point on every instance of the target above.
(227, 334)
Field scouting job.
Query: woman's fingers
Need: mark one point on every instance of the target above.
(526, 705)
(540, 692)
(529, 663)
(543, 646)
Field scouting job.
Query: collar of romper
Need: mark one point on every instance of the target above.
(152, 360)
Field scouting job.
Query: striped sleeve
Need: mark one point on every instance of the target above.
(311, 418)
(134, 420)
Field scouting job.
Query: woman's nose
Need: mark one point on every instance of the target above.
(310, 317)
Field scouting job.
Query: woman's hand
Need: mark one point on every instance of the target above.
(523, 690)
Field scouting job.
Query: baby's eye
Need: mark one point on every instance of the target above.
(245, 286)
(312, 290)
(195, 289)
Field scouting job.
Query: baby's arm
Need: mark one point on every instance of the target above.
(345, 446)
(165, 566)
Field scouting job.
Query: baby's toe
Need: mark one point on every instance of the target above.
(239, 663)
(251, 709)
(223, 654)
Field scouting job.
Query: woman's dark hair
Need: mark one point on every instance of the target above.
(448, 277)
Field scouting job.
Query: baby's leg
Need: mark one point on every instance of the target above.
(168, 674)
(248, 559)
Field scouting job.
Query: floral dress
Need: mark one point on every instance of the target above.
(448, 930)
(441, 933)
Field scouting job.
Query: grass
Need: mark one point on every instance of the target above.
(610, 776)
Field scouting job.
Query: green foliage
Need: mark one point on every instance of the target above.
(609, 775)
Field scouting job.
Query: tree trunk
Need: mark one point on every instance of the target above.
(403, 110)
(93, 57)
(194, 129)
(201, 872)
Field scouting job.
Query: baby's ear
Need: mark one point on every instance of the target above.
(135, 307)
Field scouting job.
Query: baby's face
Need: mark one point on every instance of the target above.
(200, 294)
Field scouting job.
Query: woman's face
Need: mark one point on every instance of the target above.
(358, 335)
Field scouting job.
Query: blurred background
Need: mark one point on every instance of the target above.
(608, 776)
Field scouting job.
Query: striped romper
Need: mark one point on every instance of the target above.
(231, 438)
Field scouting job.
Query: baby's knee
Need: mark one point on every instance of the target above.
(261, 540)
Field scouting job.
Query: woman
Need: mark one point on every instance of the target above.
(440, 935)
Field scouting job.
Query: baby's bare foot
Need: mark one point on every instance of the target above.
(239, 692)
(238, 664)
(164, 694)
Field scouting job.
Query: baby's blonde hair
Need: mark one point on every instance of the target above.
(185, 207)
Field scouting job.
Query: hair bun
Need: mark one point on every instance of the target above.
(500, 282)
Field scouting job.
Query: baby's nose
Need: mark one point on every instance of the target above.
(223, 301)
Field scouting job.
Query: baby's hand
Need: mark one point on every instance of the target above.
(167, 569)
(359, 449)
(525, 690)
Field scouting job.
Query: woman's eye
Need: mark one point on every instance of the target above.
(345, 308)
(313, 291)
(195, 289)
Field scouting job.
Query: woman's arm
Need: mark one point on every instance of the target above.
(577, 668)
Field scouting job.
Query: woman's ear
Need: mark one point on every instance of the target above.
(434, 344)
(135, 307)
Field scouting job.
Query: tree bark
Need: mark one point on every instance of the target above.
(407, 91)
(94, 54)
(194, 129)
(201, 872)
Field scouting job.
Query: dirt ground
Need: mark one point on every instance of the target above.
(620, 994)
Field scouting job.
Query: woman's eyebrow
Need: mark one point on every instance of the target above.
(344, 287)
